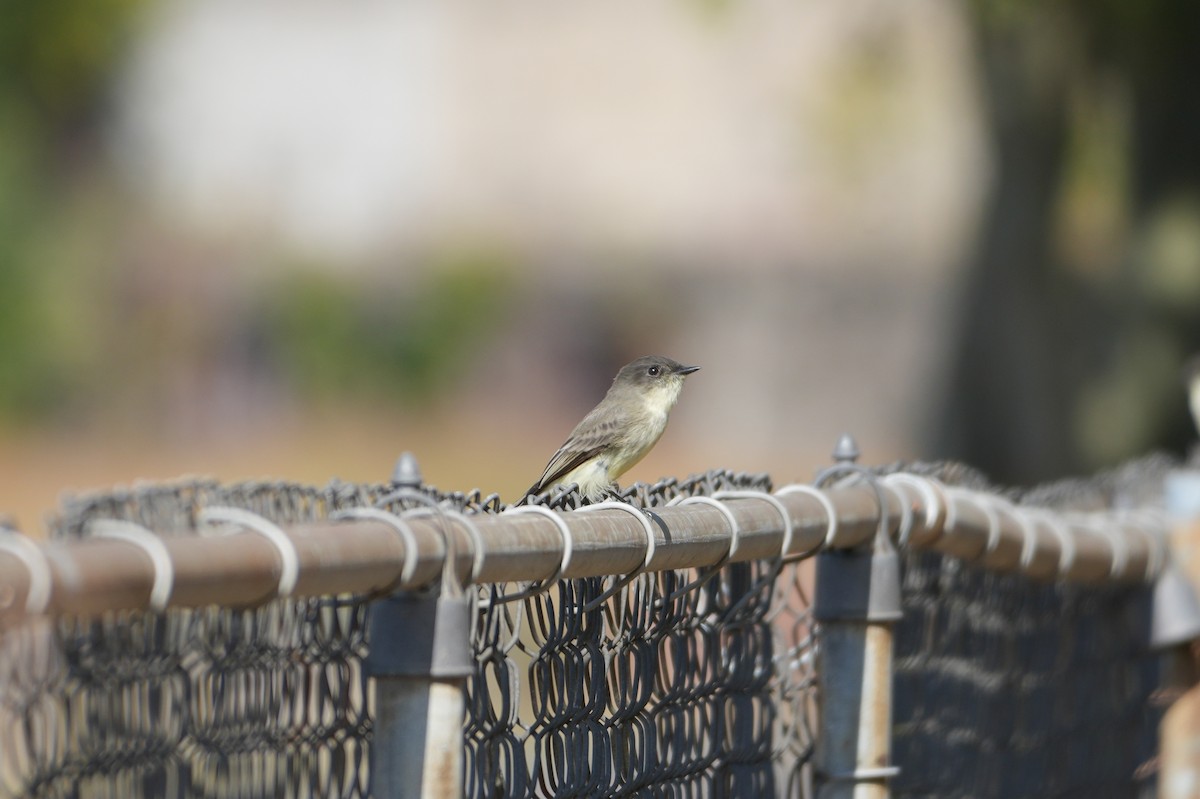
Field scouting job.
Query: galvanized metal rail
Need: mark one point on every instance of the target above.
(245, 567)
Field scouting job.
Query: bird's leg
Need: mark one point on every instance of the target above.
(610, 493)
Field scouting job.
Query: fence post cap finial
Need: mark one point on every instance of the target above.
(846, 449)
(407, 472)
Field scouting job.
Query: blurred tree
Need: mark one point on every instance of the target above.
(404, 341)
(1067, 353)
(57, 59)
(56, 64)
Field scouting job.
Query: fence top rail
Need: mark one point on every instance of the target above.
(251, 562)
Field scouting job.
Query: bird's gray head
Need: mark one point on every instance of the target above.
(655, 377)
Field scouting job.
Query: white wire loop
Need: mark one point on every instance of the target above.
(784, 516)
(539, 586)
(707, 572)
(642, 517)
(1029, 539)
(289, 558)
(735, 530)
(477, 547)
(1152, 524)
(651, 544)
(41, 581)
(451, 586)
(779, 560)
(1066, 538)
(831, 529)
(1003, 507)
(933, 499)
(906, 519)
(987, 504)
(149, 543)
(1114, 534)
(407, 537)
(934, 504)
(568, 540)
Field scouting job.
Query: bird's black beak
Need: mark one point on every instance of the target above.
(686, 370)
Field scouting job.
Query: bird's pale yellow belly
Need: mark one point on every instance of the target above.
(597, 475)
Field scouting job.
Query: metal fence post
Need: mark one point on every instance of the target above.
(420, 659)
(856, 603)
(1175, 629)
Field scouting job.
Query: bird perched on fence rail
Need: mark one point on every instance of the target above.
(618, 432)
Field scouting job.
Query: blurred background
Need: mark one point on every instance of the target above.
(292, 239)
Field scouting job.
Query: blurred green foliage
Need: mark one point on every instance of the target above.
(406, 341)
(22, 363)
(57, 61)
(57, 57)
(29, 378)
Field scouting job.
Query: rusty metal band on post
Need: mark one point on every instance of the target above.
(363, 555)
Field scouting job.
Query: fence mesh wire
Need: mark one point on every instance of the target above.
(1007, 687)
(1003, 688)
(675, 686)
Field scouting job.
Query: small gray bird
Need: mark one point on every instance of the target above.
(619, 431)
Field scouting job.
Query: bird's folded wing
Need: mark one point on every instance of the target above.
(577, 450)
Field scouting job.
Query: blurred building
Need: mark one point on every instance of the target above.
(776, 190)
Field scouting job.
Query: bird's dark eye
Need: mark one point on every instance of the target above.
(654, 371)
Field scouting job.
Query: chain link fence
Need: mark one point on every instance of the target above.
(1007, 687)
(1004, 688)
(697, 682)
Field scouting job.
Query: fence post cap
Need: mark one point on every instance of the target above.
(407, 472)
